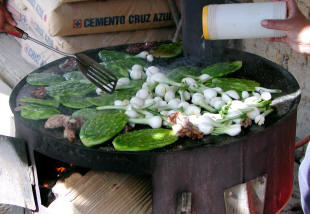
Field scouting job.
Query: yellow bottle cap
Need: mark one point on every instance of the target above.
(205, 22)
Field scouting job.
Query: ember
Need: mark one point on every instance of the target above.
(60, 170)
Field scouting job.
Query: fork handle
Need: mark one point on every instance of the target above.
(19, 33)
(15, 31)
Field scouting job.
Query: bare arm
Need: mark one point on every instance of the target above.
(297, 28)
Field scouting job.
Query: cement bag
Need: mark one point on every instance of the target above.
(19, 13)
(59, 2)
(100, 16)
(74, 44)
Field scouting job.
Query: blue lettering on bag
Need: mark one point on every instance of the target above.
(34, 56)
(39, 11)
(41, 32)
(161, 17)
(104, 21)
(33, 3)
(137, 19)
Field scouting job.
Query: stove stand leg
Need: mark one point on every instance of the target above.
(246, 198)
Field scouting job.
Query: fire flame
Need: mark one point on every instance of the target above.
(60, 170)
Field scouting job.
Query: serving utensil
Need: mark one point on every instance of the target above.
(96, 73)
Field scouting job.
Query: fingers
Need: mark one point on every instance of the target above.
(9, 18)
(278, 39)
(276, 24)
(2, 18)
(304, 49)
(292, 8)
(14, 31)
(5, 18)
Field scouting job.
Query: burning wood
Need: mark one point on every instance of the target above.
(183, 127)
(60, 170)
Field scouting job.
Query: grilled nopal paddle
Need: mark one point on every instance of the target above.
(96, 73)
(43, 102)
(38, 79)
(70, 87)
(144, 139)
(168, 50)
(222, 68)
(38, 112)
(102, 128)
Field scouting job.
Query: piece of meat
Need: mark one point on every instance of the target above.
(57, 121)
(39, 92)
(69, 65)
(76, 123)
(127, 128)
(70, 125)
(246, 122)
(19, 108)
(69, 134)
(140, 47)
(183, 127)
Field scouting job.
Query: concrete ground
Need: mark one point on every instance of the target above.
(294, 206)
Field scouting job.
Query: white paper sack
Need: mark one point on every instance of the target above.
(36, 54)
(90, 17)
(18, 11)
(75, 44)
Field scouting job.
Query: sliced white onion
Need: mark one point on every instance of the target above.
(233, 94)
(245, 94)
(142, 54)
(150, 58)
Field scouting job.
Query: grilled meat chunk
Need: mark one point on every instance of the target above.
(39, 92)
(69, 133)
(57, 121)
(69, 65)
(183, 127)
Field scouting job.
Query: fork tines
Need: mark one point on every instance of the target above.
(97, 73)
(101, 79)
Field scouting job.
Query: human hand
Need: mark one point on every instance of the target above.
(297, 29)
(6, 20)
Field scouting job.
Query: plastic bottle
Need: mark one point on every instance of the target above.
(241, 20)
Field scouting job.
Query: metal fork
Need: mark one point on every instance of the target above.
(96, 73)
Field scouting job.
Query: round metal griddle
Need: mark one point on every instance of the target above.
(51, 142)
(205, 167)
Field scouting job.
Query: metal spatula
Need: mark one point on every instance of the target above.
(95, 72)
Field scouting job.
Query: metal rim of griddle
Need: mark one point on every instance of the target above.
(226, 139)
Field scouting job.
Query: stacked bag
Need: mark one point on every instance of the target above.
(77, 25)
